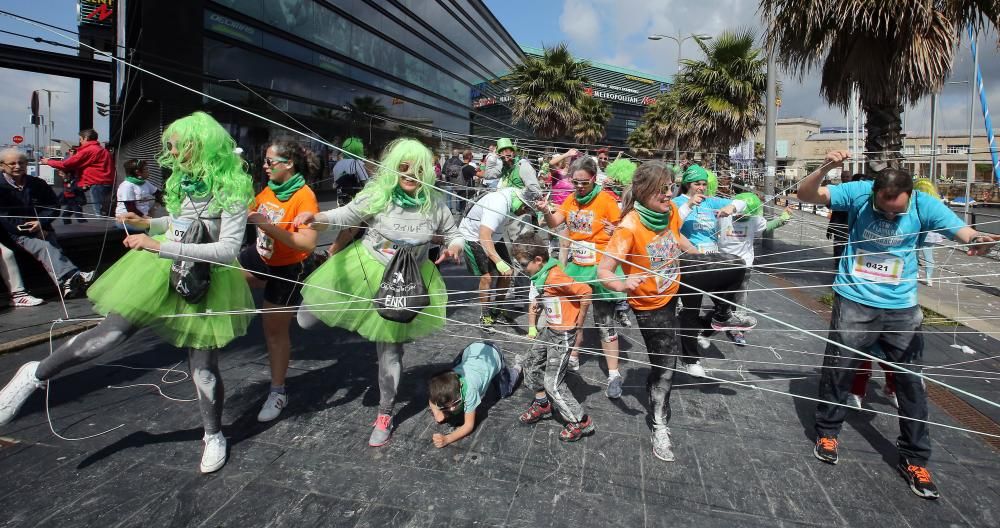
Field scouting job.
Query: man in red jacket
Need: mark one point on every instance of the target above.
(94, 168)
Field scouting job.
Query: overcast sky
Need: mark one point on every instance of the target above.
(611, 31)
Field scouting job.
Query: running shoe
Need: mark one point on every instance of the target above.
(272, 407)
(703, 342)
(573, 364)
(214, 456)
(735, 321)
(826, 449)
(853, 400)
(381, 431)
(739, 339)
(919, 479)
(501, 318)
(891, 396)
(662, 447)
(535, 413)
(13, 396)
(614, 387)
(574, 431)
(486, 323)
(74, 286)
(695, 370)
(24, 300)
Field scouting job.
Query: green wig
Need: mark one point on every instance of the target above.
(754, 205)
(353, 148)
(208, 159)
(421, 160)
(924, 185)
(621, 171)
(713, 184)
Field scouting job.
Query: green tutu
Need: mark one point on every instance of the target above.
(588, 275)
(137, 288)
(340, 294)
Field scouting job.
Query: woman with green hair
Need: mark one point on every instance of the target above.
(402, 210)
(208, 184)
(349, 174)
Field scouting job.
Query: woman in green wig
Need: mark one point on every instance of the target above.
(208, 184)
(401, 209)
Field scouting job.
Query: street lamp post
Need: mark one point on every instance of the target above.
(680, 44)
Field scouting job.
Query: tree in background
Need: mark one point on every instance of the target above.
(641, 141)
(594, 117)
(547, 91)
(895, 51)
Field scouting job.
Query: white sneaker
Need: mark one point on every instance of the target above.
(13, 396)
(662, 447)
(24, 300)
(272, 407)
(703, 342)
(853, 400)
(87, 276)
(891, 396)
(214, 456)
(695, 370)
(573, 364)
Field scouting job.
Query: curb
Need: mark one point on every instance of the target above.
(37, 339)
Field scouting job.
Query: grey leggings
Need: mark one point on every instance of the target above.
(113, 331)
(545, 369)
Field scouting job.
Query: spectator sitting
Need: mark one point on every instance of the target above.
(27, 206)
(11, 273)
(93, 165)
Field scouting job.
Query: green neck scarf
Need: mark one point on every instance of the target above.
(651, 219)
(284, 191)
(515, 204)
(538, 279)
(193, 186)
(400, 198)
(133, 179)
(584, 200)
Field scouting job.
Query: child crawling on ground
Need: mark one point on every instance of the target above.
(460, 389)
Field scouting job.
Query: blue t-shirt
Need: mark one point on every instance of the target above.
(879, 266)
(701, 227)
(480, 364)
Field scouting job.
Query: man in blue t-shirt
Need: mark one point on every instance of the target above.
(875, 301)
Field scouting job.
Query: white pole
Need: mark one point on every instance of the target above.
(970, 171)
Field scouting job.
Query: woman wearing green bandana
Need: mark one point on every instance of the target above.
(401, 208)
(590, 216)
(281, 258)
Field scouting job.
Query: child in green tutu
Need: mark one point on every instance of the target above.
(401, 208)
(208, 183)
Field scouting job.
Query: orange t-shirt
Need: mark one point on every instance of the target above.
(281, 213)
(561, 298)
(586, 226)
(635, 245)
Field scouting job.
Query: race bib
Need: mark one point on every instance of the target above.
(387, 247)
(877, 268)
(707, 248)
(553, 310)
(177, 228)
(738, 230)
(584, 253)
(265, 244)
(663, 252)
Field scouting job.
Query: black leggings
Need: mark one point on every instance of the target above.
(712, 273)
(658, 332)
(113, 331)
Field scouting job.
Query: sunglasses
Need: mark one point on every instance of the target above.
(884, 213)
(524, 263)
(581, 183)
(270, 162)
(403, 167)
(451, 407)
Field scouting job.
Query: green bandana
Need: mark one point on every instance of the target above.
(651, 219)
(538, 279)
(136, 181)
(400, 198)
(193, 186)
(284, 191)
(584, 200)
(695, 173)
(515, 204)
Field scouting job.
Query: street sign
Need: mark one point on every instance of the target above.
(17, 139)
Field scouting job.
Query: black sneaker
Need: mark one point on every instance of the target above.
(919, 479)
(74, 286)
(826, 449)
(486, 323)
(501, 318)
(735, 321)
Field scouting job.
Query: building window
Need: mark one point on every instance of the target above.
(958, 149)
(908, 150)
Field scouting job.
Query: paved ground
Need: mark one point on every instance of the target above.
(743, 455)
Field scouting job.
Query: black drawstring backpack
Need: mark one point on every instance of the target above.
(402, 293)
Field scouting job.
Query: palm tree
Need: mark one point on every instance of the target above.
(721, 99)
(896, 52)
(546, 91)
(641, 141)
(664, 123)
(594, 117)
(370, 106)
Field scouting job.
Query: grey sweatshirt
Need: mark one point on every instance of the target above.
(395, 225)
(226, 229)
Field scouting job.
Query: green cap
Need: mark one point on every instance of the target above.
(754, 205)
(505, 143)
(695, 173)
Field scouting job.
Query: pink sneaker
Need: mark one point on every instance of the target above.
(382, 431)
